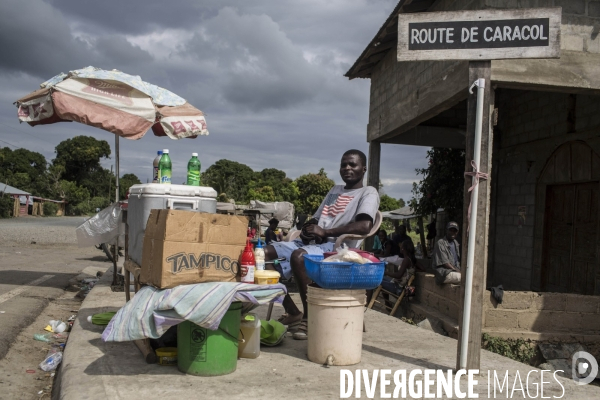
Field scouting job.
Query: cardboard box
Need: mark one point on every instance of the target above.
(184, 247)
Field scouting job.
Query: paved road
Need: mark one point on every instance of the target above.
(32, 275)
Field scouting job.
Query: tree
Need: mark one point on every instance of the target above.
(387, 203)
(442, 184)
(24, 169)
(229, 177)
(283, 188)
(75, 196)
(80, 157)
(264, 193)
(127, 181)
(401, 203)
(312, 189)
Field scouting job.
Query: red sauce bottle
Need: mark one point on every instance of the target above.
(247, 264)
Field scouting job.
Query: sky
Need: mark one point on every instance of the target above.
(268, 74)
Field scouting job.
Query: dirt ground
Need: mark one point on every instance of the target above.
(29, 311)
(20, 375)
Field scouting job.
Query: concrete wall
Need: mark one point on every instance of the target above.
(531, 126)
(544, 317)
(442, 298)
(527, 315)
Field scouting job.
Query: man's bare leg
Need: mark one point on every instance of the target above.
(302, 279)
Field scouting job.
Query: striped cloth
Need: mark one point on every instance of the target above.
(152, 311)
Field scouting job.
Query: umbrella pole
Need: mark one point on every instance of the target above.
(116, 246)
(117, 168)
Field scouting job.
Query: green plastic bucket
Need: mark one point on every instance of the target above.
(203, 352)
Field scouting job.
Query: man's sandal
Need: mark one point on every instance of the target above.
(302, 332)
(290, 320)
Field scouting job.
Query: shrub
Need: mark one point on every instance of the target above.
(98, 202)
(6, 206)
(516, 349)
(82, 208)
(50, 209)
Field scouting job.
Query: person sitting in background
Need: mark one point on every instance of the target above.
(381, 246)
(446, 257)
(270, 235)
(395, 281)
(398, 237)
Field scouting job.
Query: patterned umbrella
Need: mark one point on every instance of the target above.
(114, 101)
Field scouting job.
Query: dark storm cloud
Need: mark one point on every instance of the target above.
(35, 38)
(133, 17)
(260, 67)
(116, 50)
(268, 74)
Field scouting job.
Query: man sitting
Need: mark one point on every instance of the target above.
(446, 257)
(347, 209)
(399, 237)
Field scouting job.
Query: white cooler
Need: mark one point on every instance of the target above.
(150, 196)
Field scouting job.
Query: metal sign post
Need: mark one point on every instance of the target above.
(464, 345)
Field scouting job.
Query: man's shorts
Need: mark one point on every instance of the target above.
(285, 249)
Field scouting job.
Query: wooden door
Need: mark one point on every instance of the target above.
(570, 256)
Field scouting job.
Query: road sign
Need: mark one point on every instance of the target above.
(480, 35)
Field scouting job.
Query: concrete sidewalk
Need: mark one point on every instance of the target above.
(92, 369)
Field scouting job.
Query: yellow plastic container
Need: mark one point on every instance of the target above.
(266, 277)
(167, 355)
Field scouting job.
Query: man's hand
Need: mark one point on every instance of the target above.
(315, 230)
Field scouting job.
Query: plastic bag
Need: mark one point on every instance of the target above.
(102, 227)
(346, 255)
(57, 326)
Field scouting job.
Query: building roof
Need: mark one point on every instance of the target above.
(401, 213)
(385, 39)
(4, 188)
(45, 200)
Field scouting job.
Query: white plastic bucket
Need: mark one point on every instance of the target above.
(335, 325)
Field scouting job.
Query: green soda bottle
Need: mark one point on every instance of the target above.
(165, 167)
(193, 172)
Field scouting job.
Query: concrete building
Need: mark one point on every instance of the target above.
(544, 236)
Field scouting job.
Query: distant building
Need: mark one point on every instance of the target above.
(27, 204)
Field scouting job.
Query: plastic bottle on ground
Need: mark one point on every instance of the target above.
(155, 169)
(248, 264)
(43, 337)
(165, 167)
(52, 360)
(259, 256)
(193, 171)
